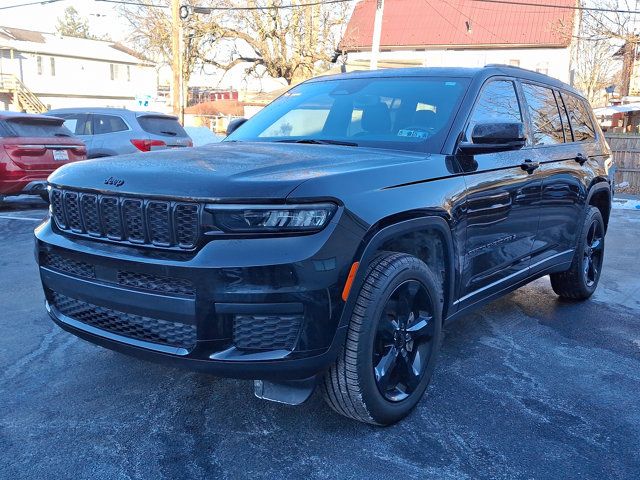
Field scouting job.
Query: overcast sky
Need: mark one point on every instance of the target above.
(44, 17)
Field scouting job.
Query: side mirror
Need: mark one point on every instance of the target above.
(235, 124)
(494, 137)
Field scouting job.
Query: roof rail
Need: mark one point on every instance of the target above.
(501, 65)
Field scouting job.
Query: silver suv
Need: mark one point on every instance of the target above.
(116, 131)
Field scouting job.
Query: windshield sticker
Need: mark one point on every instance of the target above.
(413, 133)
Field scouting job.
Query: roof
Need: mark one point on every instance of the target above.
(481, 73)
(110, 110)
(461, 23)
(54, 44)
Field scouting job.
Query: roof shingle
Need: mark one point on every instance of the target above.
(460, 23)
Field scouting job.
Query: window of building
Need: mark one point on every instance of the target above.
(39, 63)
(581, 123)
(543, 68)
(52, 63)
(544, 113)
(514, 63)
(128, 73)
(112, 71)
(497, 103)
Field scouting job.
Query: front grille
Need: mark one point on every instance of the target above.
(156, 283)
(65, 264)
(125, 324)
(266, 332)
(136, 221)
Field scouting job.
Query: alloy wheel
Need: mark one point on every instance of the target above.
(593, 253)
(403, 344)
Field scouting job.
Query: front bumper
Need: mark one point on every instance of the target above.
(245, 308)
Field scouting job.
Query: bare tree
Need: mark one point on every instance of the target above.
(288, 43)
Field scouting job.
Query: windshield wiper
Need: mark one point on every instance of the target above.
(316, 141)
(167, 132)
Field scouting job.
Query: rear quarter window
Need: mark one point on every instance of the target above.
(164, 126)
(580, 118)
(33, 127)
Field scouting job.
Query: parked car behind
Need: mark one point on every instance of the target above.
(31, 148)
(115, 131)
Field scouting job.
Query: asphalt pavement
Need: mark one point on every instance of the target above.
(528, 387)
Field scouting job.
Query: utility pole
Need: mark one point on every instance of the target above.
(177, 90)
(377, 31)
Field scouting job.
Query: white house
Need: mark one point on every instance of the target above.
(59, 71)
(466, 33)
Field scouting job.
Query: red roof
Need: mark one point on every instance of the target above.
(427, 23)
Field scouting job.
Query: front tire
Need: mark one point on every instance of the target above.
(581, 279)
(392, 342)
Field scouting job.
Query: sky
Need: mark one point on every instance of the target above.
(103, 17)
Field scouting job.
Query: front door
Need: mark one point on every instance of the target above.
(501, 207)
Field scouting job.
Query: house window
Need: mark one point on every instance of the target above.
(543, 68)
(52, 62)
(128, 73)
(39, 63)
(514, 63)
(113, 70)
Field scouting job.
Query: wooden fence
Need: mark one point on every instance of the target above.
(625, 150)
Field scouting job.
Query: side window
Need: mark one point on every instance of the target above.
(545, 117)
(580, 119)
(497, 103)
(108, 124)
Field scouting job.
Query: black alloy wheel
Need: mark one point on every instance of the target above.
(403, 342)
(593, 253)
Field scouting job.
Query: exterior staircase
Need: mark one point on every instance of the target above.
(22, 99)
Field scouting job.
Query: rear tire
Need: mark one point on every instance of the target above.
(581, 279)
(392, 342)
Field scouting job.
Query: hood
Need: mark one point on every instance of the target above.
(228, 170)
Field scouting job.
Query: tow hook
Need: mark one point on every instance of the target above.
(289, 392)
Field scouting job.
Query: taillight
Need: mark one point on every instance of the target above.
(189, 143)
(145, 145)
(80, 150)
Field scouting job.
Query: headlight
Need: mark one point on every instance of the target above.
(271, 218)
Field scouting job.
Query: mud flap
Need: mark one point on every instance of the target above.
(291, 392)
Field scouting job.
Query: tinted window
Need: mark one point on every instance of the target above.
(108, 124)
(580, 119)
(497, 103)
(544, 113)
(34, 127)
(402, 113)
(166, 126)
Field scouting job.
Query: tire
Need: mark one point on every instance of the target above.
(351, 387)
(580, 280)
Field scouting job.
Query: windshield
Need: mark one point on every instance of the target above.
(397, 113)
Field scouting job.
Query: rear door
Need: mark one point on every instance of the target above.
(40, 143)
(501, 207)
(563, 193)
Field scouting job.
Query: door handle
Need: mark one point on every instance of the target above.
(581, 158)
(529, 165)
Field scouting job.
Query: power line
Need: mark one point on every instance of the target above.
(198, 9)
(565, 7)
(41, 2)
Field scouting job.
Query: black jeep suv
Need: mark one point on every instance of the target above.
(327, 239)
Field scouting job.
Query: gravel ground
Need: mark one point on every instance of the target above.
(527, 387)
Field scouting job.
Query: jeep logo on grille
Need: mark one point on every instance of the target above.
(116, 182)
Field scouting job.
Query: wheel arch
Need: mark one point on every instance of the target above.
(428, 238)
(599, 196)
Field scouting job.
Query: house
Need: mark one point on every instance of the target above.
(40, 70)
(469, 33)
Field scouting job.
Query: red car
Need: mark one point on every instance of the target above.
(31, 148)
